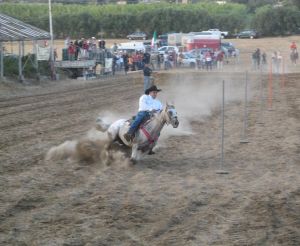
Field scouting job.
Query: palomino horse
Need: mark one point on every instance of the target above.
(146, 136)
(294, 56)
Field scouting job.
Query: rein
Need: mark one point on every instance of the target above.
(147, 134)
(154, 131)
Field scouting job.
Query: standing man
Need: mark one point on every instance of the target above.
(125, 62)
(146, 58)
(147, 103)
(147, 76)
(220, 58)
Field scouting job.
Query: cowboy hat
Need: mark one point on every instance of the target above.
(152, 88)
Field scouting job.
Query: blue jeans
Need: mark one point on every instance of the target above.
(141, 115)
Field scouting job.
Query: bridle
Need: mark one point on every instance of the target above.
(171, 116)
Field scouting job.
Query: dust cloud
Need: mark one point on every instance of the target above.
(196, 100)
(91, 148)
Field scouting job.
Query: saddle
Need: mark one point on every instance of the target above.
(145, 121)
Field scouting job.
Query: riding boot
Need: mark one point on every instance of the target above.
(128, 136)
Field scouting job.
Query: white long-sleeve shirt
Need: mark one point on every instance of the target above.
(147, 103)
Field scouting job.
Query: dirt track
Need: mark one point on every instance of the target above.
(172, 198)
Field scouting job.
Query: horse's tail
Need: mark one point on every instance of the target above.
(102, 125)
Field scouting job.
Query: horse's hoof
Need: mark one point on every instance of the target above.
(151, 152)
(133, 161)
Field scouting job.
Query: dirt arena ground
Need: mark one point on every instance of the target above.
(175, 197)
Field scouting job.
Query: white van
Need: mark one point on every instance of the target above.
(137, 46)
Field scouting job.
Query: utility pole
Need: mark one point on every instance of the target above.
(53, 75)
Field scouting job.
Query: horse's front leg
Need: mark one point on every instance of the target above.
(136, 153)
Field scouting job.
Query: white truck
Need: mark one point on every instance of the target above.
(223, 34)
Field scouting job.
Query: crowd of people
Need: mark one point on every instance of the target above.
(205, 59)
(259, 59)
(83, 49)
(87, 49)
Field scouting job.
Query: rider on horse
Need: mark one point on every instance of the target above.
(147, 104)
(293, 46)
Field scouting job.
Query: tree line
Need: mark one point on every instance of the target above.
(116, 21)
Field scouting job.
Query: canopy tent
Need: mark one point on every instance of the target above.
(12, 29)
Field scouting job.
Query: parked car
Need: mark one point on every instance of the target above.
(228, 48)
(188, 60)
(228, 45)
(163, 39)
(197, 52)
(223, 34)
(164, 49)
(248, 34)
(137, 35)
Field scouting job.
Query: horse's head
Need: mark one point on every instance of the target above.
(171, 115)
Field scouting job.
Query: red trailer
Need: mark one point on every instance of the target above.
(204, 41)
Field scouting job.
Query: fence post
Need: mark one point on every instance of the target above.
(222, 170)
(282, 75)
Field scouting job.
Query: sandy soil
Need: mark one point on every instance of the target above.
(174, 197)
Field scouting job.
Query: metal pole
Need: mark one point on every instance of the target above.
(244, 138)
(222, 171)
(282, 84)
(23, 48)
(270, 87)
(1, 61)
(35, 48)
(260, 121)
(20, 63)
(53, 76)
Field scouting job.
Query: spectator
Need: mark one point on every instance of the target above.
(114, 63)
(180, 59)
(158, 61)
(147, 76)
(125, 62)
(77, 49)
(264, 58)
(220, 58)
(208, 60)
(115, 47)
(67, 42)
(101, 44)
(130, 62)
(166, 61)
(146, 58)
(258, 55)
(71, 51)
(255, 59)
(276, 61)
(135, 60)
(293, 46)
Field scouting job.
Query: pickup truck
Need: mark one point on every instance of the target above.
(223, 34)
